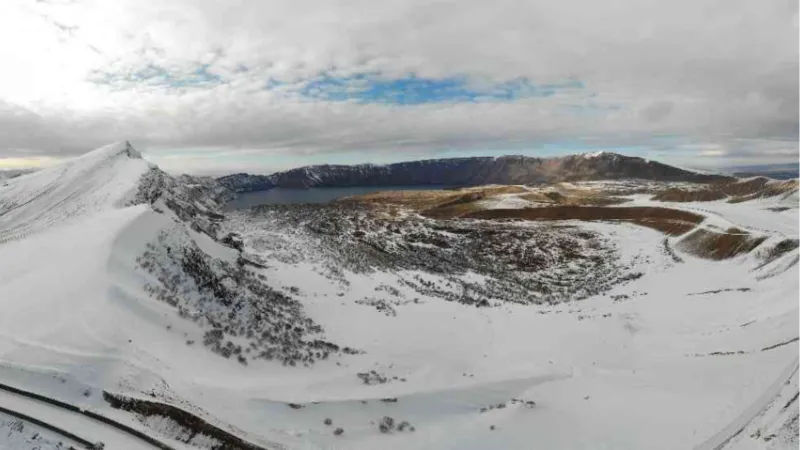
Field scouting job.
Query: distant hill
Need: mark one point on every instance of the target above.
(244, 182)
(471, 171)
(775, 171)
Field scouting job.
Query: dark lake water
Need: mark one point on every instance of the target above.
(283, 196)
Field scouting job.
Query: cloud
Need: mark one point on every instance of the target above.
(311, 77)
(25, 163)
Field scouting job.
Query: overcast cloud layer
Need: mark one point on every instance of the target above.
(215, 86)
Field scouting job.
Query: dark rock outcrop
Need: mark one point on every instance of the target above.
(243, 182)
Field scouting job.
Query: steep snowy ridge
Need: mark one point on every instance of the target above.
(73, 299)
(100, 180)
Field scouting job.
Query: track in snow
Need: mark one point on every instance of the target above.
(59, 416)
(61, 432)
(728, 433)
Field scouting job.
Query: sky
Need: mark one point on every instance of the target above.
(213, 87)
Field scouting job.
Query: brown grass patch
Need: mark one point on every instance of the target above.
(683, 195)
(720, 245)
(576, 198)
(736, 191)
(740, 188)
(669, 221)
(781, 248)
(770, 190)
(440, 204)
(421, 200)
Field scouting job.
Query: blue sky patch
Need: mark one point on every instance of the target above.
(153, 75)
(364, 88)
(415, 90)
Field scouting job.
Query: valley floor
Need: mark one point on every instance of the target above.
(662, 362)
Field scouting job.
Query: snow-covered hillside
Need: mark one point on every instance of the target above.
(103, 179)
(356, 328)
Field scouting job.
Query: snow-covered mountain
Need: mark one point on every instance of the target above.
(79, 315)
(471, 171)
(547, 317)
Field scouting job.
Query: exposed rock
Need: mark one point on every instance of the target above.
(243, 182)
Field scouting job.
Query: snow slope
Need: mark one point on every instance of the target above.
(103, 179)
(592, 367)
(678, 358)
(71, 308)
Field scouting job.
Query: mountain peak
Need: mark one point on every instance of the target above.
(131, 152)
(119, 148)
(596, 154)
(102, 179)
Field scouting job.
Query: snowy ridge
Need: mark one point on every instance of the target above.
(100, 180)
(597, 154)
(74, 301)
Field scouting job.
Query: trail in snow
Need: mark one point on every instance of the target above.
(47, 428)
(729, 432)
(86, 427)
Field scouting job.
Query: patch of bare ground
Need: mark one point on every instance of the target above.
(735, 191)
(683, 195)
(720, 245)
(437, 204)
(743, 187)
(193, 425)
(781, 248)
(772, 189)
(421, 200)
(586, 198)
(669, 221)
(457, 207)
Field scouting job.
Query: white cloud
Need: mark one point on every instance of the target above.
(713, 72)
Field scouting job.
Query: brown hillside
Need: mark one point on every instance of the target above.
(670, 221)
(720, 245)
(683, 195)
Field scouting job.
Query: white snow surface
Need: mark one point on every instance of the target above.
(95, 182)
(84, 427)
(16, 434)
(633, 369)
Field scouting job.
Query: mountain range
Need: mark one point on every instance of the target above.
(472, 171)
(775, 171)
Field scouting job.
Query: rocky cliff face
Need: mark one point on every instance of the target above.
(244, 182)
(471, 172)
